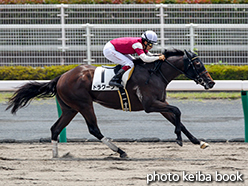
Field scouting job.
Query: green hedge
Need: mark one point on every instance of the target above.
(124, 1)
(218, 72)
(31, 73)
(225, 72)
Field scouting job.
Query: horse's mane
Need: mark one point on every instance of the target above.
(167, 53)
(173, 52)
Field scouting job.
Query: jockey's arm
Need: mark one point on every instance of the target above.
(148, 59)
(151, 54)
(144, 57)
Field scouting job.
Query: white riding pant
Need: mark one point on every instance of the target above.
(116, 57)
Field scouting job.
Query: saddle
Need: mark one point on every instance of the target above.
(103, 75)
(101, 79)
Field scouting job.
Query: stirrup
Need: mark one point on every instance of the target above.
(115, 83)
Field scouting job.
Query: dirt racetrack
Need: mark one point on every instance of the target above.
(93, 163)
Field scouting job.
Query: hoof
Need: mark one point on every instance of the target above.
(203, 145)
(123, 155)
(179, 142)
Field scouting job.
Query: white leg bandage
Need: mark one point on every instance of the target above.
(107, 142)
(55, 148)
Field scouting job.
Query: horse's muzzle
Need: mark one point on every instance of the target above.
(211, 84)
(205, 80)
(208, 85)
(208, 81)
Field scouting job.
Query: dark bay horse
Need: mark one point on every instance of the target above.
(146, 88)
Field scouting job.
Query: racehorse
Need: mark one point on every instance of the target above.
(146, 89)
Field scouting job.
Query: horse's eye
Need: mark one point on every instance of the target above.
(198, 64)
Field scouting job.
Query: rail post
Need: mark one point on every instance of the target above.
(191, 35)
(62, 135)
(244, 97)
(63, 38)
(161, 16)
(88, 43)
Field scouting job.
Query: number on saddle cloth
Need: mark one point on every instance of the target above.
(103, 75)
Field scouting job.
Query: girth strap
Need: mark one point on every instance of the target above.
(124, 99)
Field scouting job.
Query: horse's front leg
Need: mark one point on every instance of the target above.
(170, 117)
(159, 106)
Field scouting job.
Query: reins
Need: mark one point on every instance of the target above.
(184, 72)
(155, 70)
(158, 69)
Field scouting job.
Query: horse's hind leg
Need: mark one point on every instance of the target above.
(90, 118)
(67, 115)
(170, 117)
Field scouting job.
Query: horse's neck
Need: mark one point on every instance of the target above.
(167, 70)
(174, 69)
(142, 64)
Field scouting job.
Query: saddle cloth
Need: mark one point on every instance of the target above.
(103, 75)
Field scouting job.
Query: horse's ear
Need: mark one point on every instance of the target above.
(165, 50)
(188, 54)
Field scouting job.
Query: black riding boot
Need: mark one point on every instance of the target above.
(116, 80)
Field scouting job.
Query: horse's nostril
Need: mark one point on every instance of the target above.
(211, 84)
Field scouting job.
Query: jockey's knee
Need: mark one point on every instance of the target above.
(131, 65)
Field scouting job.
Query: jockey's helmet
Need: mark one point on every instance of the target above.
(149, 36)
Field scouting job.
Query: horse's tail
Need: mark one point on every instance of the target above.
(24, 95)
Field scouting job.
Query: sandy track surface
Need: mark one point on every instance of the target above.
(92, 163)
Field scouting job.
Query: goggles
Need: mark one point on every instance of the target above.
(150, 44)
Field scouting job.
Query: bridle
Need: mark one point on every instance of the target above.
(188, 64)
(198, 73)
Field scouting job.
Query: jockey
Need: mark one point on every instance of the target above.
(119, 50)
